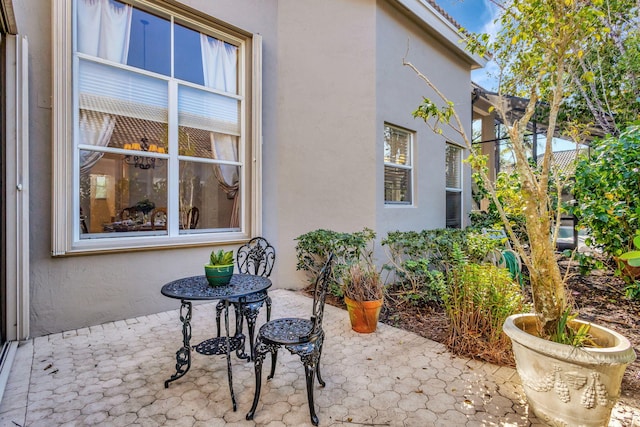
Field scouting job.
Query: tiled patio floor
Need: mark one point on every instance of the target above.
(113, 375)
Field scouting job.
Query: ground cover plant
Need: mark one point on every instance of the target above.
(461, 305)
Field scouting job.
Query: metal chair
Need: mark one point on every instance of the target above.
(255, 257)
(303, 337)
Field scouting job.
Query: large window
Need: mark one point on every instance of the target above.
(453, 165)
(160, 136)
(398, 172)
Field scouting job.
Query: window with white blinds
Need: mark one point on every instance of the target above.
(398, 166)
(161, 103)
(453, 183)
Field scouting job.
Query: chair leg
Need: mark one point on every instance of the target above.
(260, 352)
(251, 315)
(274, 357)
(268, 308)
(219, 308)
(310, 372)
(239, 310)
(320, 380)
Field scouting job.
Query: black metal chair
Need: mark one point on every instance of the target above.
(303, 337)
(255, 257)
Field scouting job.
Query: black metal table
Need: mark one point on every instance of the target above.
(197, 288)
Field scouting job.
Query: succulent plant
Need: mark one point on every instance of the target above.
(221, 257)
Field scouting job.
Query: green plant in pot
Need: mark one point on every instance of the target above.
(220, 267)
(363, 291)
(540, 50)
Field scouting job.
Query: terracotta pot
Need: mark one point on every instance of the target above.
(632, 273)
(566, 385)
(363, 314)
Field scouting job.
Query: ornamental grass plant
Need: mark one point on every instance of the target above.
(362, 282)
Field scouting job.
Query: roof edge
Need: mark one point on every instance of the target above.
(442, 26)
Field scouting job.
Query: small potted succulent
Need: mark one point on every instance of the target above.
(220, 267)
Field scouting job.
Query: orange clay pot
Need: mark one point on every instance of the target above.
(363, 314)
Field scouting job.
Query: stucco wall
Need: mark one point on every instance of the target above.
(399, 92)
(332, 76)
(325, 170)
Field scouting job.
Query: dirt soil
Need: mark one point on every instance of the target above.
(598, 296)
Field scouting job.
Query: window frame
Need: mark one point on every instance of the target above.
(65, 154)
(410, 167)
(456, 190)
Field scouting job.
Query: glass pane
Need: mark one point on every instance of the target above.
(112, 90)
(118, 197)
(453, 164)
(454, 204)
(188, 55)
(150, 43)
(104, 29)
(397, 146)
(397, 185)
(129, 133)
(210, 193)
(220, 64)
(206, 110)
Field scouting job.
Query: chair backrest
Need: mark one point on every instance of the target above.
(256, 257)
(320, 295)
(159, 218)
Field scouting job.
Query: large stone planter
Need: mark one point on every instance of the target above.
(566, 385)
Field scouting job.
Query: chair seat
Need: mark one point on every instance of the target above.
(255, 297)
(288, 331)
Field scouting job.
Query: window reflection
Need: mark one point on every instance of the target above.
(188, 56)
(202, 186)
(150, 43)
(118, 197)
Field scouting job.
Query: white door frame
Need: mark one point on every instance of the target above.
(16, 187)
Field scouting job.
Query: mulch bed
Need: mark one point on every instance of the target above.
(599, 297)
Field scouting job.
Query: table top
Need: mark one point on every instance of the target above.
(198, 288)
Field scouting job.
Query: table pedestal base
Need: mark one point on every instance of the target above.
(212, 347)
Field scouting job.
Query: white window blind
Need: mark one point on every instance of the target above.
(113, 90)
(453, 165)
(205, 110)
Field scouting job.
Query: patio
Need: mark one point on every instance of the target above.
(113, 374)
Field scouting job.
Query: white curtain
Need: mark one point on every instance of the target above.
(104, 29)
(219, 66)
(95, 129)
(219, 63)
(223, 147)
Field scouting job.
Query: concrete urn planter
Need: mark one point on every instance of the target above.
(566, 385)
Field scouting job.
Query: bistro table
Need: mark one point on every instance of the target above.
(197, 288)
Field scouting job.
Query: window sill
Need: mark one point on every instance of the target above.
(146, 243)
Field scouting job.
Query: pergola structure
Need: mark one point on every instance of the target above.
(484, 101)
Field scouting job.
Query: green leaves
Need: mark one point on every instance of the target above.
(221, 257)
(429, 110)
(313, 249)
(607, 191)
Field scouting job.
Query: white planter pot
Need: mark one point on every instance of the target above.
(566, 385)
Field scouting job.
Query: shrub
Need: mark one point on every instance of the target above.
(419, 259)
(477, 299)
(313, 249)
(607, 191)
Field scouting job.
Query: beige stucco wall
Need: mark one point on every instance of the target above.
(326, 163)
(399, 92)
(332, 75)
